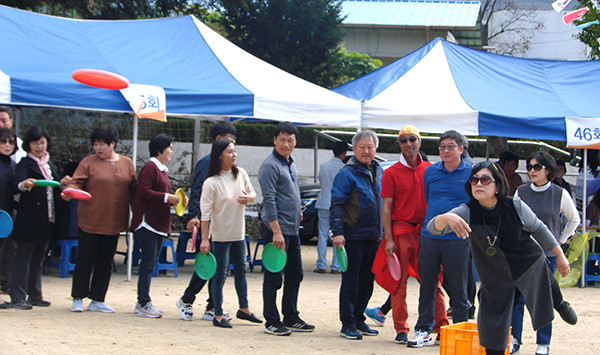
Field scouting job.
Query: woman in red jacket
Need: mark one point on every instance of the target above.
(152, 216)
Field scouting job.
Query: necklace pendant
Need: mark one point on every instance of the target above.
(490, 251)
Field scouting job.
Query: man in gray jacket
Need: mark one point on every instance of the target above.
(327, 172)
(281, 215)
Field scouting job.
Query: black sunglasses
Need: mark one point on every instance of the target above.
(536, 167)
(485, 180)
(7, 140)
(412, 139)
(486, 164)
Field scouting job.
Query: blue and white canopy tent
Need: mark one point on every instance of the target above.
(444, 86)
(202, 74)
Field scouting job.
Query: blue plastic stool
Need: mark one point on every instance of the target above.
(255, 261)
(248, 256)
(68, 250)
(593, 258)
(182, 254)
(162, 265)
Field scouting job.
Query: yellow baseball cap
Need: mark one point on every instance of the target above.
(409, 129)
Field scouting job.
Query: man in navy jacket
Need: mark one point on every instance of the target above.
(356, 224)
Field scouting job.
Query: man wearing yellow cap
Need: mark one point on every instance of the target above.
(404, 210)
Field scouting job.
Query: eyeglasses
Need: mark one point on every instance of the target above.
(403, 140)
(535, 167)
(485, 180)
(449, 148)
(7, 140)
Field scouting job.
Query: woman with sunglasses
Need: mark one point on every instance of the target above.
(549, 202)
(508, 262)
(8, 180)
(226, 191)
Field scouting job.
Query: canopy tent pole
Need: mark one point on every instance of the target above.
(129, 234)
(583, 208)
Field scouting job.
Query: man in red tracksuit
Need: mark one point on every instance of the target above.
(404, 209)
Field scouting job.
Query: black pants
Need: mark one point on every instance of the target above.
(357, 281)
(290, 277)
(95, 254)
(453, 255)
(27, 270)
(195, 286)
(471, 284)
(7, 258)
(387, 306)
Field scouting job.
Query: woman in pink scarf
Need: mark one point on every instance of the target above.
(34, 223)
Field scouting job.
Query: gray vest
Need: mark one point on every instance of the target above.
(546, 205)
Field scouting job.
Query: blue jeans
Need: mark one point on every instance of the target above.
(543, 334)
(323, 217)
(150, 243)
(291, 285)
(223, 251)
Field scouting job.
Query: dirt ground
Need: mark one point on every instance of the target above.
(56, 330)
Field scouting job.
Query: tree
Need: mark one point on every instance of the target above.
(103, 9)
(353, 65)
(590, 35)
(301, 37)
(508, 26)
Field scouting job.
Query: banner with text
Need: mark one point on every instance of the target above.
(583, 132)
(147, 101)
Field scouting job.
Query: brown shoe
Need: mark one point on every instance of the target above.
(336, 272)
(320, 271)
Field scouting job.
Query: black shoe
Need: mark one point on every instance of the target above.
(249, 317)
(472, 312)
(277, 329)
(5, 305)
(299, 326)
(401, 338)
(567, 313)
(366, 330)
(223, 323)
(350, 333)
(21, 304)
(39, 303)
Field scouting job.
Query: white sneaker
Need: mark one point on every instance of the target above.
(96, 306)
(77, 305)
(514, 345)
(422, 338)
(186, 310)
(209, 314)
(147, 311)
(542, 350)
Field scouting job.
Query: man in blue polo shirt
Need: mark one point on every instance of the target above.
(444, 184)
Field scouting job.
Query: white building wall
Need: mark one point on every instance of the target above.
(555, 41)
(387, 44)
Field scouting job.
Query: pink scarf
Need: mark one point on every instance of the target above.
(43, 164)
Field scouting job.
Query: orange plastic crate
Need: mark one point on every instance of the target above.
(462, 339)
